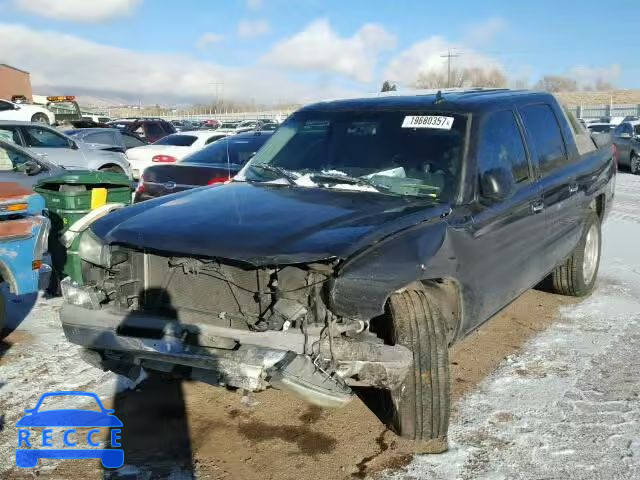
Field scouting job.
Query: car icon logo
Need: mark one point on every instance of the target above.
(170, 185)
(68, 420)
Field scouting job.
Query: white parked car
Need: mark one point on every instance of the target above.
(170, 149)
(25, 112)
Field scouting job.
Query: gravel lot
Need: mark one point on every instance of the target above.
(549, 389)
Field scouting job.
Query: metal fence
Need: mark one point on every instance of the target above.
(587, 112)
(591, 112)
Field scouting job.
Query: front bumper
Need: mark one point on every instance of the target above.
(224, 356)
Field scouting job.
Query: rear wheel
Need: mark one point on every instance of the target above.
(40, 118)
(635, 163)
(418, 409)
(3, 312)
(577, 276)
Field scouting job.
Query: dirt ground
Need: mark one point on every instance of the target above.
(180, 430)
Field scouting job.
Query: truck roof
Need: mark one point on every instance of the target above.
(462, 100)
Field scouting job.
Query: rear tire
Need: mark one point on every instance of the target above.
(3, 314)
(634, 163)
(418, 409)
(577, 276)
(40, 118)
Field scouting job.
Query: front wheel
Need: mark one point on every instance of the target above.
(40, 118)
(577, 276)
(635, 163)
(3, 313)
(418, 408)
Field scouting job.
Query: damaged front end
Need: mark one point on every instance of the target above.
(225, 323)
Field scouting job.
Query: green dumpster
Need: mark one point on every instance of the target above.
(69, 197)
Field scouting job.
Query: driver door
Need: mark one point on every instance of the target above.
(53, 147)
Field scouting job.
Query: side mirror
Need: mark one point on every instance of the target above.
(74, 145)
(16, 107)
(497, 185)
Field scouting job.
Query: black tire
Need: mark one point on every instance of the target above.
(3, 314)
(113, 169)
(634, 163)
(569, 278)
(419, 408)
(40, 118)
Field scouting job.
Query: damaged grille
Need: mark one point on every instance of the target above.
(206, 286)
(215, 291)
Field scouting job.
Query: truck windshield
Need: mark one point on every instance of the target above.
(396, 152)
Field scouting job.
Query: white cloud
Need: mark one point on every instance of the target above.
(253, 28)
(62, 63)
(78, 10)
(484, 32)
(590, 76)
(426, 57)
(319, 48)
(254, 4)
(208, 39)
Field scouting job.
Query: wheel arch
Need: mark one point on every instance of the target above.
(7, 276)
(446, 294)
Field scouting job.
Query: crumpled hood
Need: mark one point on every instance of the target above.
(264, 224)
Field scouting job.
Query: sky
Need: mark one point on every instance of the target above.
(279, 51)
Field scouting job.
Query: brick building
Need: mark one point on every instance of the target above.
(14, 81)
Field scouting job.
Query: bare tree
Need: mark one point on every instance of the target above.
(557, 83)
(466, 77)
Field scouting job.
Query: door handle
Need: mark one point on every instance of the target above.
(537, 206)
(573, 188)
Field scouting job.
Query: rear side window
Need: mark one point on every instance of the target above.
(154, 130)
(177, 140)
(501, 146)
(131, 142)
(543, 130)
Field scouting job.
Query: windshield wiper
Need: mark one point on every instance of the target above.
(290, 177)
(339, 178)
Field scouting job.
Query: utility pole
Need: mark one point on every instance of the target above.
(449, 56)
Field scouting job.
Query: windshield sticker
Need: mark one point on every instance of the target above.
(428, 121)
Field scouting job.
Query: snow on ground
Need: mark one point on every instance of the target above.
(567, 406)
(42, 361)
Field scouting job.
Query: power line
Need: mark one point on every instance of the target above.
(449, 56)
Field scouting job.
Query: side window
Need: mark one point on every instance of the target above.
(10, 134)
(36, 137)
(619, 130)
(140, 131)
(154, 130)
(5, 106)
(130, 141)
(544, 133)
(168, 128)
(213, 139)
(501, 146)
(11, 159)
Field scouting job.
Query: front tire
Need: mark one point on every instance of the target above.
(577, 276)
(418, 409)
(3, 314)
(40, 118)
(634, 163)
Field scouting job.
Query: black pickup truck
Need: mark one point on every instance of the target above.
(361, 241)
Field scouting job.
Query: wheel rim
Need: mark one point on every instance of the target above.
(591, 252)
(40, 119)
(634, 164)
